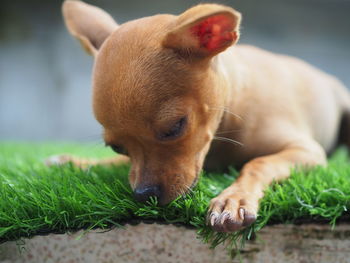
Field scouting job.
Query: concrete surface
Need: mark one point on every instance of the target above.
(170, 244)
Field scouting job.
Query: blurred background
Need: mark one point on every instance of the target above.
(45, 77)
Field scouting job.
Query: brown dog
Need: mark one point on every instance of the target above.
(165, 86)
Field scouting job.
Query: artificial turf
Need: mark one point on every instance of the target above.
(36, 199)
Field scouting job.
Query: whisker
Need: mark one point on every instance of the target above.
(184, 191)
(228, 111)
(229, 131)
(188, 189)
(224, 139)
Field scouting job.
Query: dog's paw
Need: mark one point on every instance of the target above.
(232, 212)
(59, 160)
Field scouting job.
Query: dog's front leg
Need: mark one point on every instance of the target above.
(84, 163)
(237, 206)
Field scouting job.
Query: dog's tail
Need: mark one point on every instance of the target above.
(344, 98)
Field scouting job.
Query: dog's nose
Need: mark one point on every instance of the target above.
(143, 194)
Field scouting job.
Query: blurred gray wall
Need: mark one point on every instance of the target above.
(45, 89)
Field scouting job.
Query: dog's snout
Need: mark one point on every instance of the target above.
(143, 194)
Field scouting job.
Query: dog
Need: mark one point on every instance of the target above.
(175, 94)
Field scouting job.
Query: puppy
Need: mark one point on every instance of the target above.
(174, 93)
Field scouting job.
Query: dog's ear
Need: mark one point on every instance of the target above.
(204, 30)
(89, 24)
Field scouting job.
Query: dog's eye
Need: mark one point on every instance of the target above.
(119, 149)
(175, 131)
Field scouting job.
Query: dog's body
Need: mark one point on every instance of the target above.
(274, 98)
(166, 86)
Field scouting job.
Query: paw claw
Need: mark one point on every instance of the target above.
(224, 216)
(241, 213)
(228, 214)
(213, 217)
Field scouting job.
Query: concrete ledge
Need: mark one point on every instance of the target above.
(168, 243)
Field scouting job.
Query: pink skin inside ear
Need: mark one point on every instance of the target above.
(215, 32)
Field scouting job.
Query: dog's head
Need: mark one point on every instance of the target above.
(156, 90)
